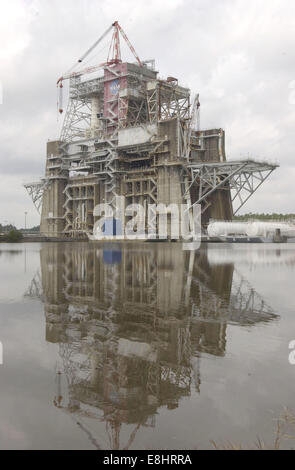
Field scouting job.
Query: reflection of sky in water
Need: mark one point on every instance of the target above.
(170, 349)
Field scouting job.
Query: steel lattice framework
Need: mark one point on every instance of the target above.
(241, 177)
(128, 132)
(78, 114)
(36, 190)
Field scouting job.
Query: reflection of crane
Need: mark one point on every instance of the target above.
(58, 400)
(35, 290)
(66, 373)
(113, 427)
(114, 57)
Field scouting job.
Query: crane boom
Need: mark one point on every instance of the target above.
(91, 69)
(128, 42)
(95, 44)
(110, 61)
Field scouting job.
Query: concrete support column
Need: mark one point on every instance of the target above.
(95, 110)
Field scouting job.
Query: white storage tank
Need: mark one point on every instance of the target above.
(265, 229)
(217, 229)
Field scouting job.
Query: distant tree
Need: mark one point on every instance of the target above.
(263, 216)
(14, 236)
(6, 228)
(32, 229)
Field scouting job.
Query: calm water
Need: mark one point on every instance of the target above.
(144, 346)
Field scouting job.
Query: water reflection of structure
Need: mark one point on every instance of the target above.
(132, 323)
(246, 254)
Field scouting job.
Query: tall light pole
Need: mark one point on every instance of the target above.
(26, 220)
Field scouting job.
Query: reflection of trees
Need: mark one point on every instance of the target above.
(10, 253)
(131, 324)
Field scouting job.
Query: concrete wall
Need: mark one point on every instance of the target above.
(137, 135)
(220, 201)
(52, 222)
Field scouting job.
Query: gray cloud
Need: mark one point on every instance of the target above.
(238, 54)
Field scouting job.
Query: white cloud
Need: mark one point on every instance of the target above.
(14, 30)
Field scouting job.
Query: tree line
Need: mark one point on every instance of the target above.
(263, 216)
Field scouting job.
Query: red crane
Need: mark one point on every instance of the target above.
(114, 57)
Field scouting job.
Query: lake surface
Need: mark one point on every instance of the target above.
(144, 345)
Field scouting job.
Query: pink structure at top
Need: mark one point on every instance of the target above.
(114, 80)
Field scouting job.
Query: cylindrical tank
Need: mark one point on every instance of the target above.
(216, 229)
(264, 229)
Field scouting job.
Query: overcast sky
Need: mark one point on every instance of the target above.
(238, 54)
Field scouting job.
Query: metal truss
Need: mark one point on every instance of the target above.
(132, 112)
(153, 105)
(78, 115)
(132, 103)
(35, 289)
(78, 112)
(139, 103)
(122, 112)
(166, 100)
(242, 178)
(142, 185)
(245, 306)
(103, 166)
(68, 209)
(73, 215)
(173, 101)
(80, 90)
(36, 190)
(111, 180)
